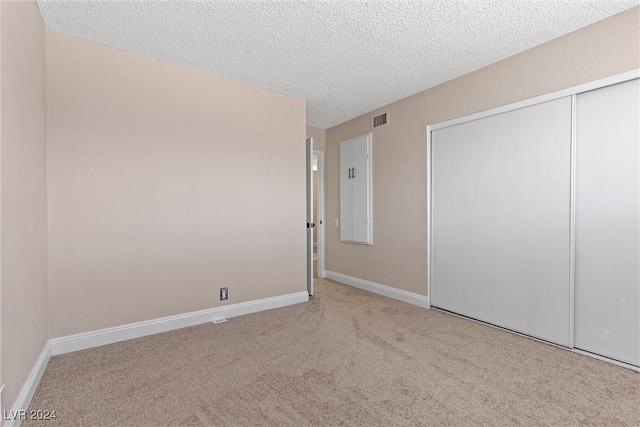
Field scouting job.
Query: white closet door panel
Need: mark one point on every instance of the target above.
(501, 219)
(360, 190)
(346, 191)
(607, 290)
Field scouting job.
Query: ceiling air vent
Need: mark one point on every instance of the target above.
(379, 120)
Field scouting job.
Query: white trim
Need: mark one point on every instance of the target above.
(309, 212)
(429, 215)
(376, 288)
(155, 326)
(572, 225)
(1, 413)
(30, 386)
(321, 228)
(585, 87)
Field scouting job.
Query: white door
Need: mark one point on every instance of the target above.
(500, 219)
(607, 290)
(310, 223)
(355, 190)
(360, 192)
(346, 191)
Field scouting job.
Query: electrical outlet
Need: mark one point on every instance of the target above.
(224, 294)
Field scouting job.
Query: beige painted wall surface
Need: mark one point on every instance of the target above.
(319, 137)
(23, 193)
(398, 256)
(166, 184)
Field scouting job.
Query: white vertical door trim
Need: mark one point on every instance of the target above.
(320, 221)
(370, 189)
(572, 227)
(429, 209)
(309, 182)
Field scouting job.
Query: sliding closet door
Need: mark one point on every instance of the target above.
(607, 222)
(501, 219)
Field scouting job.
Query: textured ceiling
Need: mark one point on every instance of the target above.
(344, 58)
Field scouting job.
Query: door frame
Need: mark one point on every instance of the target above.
(572, 92)
(320, 221)
(309, 213)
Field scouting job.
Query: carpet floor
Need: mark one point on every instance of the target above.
(349, 358)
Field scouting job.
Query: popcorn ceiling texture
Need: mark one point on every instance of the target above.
(343, 58)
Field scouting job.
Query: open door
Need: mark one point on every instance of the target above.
(310, 223)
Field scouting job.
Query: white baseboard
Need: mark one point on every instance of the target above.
(376, 288)
(154, 326)
(29, 388)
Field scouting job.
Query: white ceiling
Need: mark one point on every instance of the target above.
(344, 58)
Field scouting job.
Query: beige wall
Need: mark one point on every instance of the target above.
(318, 136)
(23, 195)
(166, 184)
(398, 256)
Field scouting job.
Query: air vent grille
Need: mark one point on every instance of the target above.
(379, 120)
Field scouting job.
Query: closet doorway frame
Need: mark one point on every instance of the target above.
(573, 92)
(320, 221)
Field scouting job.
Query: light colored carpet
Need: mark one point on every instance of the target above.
(347, 357)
